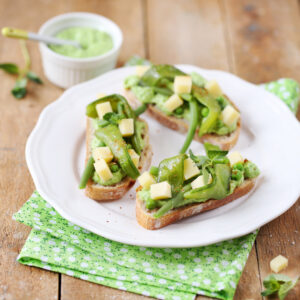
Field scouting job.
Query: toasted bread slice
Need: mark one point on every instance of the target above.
(225, 142)
(145, 217)
(113, 192)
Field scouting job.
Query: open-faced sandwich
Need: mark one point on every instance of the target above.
(117, 148)
(185, 103)
(186, 185)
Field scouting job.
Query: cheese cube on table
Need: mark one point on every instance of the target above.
(173, 102)
(229, 115)
(103, 169)
(134, 157)
(141, 70)
(199, 182)
(146, 179)
(160, 190)
(213, 88)
(182, 84)
(235, 157)
(190, 169)
(126, 127)
(278, 263)
(103, 152)
(103, 108)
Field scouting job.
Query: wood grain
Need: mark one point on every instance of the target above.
(265, 46)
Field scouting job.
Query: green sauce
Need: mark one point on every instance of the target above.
(94, 42)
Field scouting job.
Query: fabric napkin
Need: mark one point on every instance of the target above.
(61, 246)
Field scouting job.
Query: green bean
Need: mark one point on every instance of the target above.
(193, 126)
(87, 174)
(140, 110)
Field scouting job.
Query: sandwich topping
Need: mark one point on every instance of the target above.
(187, 179)
(117, 144)
(190, 97)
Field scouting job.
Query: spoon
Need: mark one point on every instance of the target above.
(22, 34)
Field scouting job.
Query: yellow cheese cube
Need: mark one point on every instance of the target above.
(278, 263)
(182, 84)
(141, 70)
(213, 88)
(103, 152)
(173, 102)
(190, 169)
(101, 95)
(199, 182)
(134, 157)
(103, 108)
(229, 115)
(126, 127)
(160, 190)
(235, 157)
(103, 169)
(146, 179)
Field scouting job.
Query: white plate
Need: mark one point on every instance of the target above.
(270, 137)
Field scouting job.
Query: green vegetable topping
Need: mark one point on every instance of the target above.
(251, 170)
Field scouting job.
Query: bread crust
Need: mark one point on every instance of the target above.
(108, 193)
(145, 217)
(225, 142)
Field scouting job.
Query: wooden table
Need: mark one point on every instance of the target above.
(255, 39)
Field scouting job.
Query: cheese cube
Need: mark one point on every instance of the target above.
(190, 169)
(182, 84)
(199, 182)
(134, 157)
(213, 88)
(103, 152)
(146, 179)
(103, 169)
(160, 190)
(141, 70)
(173, 102)
(101, 95)
(278, 263)
(126, 127)
(103, 108)
(235, 157)
(229, 115)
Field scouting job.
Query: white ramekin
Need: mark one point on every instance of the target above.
(66, 71)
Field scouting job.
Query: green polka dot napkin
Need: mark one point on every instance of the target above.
(61, 246)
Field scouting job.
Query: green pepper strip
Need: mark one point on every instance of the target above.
(87, 173)
(192, 126)
(140, 110)
(112, 138)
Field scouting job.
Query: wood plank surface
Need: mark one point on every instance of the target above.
(257, 40)
(264, 41)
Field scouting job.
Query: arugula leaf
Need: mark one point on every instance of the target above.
(136, 60)
(19, 90)
(210, 147)
(286, 287)
(279, 283)
(198, 160)
(10, 68)
(33, 77)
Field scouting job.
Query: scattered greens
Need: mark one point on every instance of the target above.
(279, 284)
(19, 91)
(136, 60)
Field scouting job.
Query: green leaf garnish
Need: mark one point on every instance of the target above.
(136, 60)
(10, 68)
(33, 77)
(278, 283)
(19, 90)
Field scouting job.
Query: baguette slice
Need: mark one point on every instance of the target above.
(113, 192)
(225, 142)
(145, 217)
